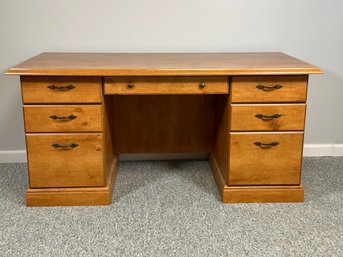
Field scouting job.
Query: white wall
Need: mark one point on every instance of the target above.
(311, 30)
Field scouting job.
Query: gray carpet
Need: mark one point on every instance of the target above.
(172, 208)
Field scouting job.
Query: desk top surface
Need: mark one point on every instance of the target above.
(162, 64)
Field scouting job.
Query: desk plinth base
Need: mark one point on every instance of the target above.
(73, 196)
(255, 194)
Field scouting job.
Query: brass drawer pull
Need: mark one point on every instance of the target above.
(65, 147)
(63, 118)
(266, 117)
(269, 88)
(202, 85)
(265, 146)
(130, 85)
(61, 88)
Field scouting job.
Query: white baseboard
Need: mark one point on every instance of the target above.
(13, 156)
(309, 150)
(323, 150)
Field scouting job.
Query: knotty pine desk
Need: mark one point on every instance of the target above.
(246, 110)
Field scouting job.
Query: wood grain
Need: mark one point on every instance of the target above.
(38, 118)
(243, 89)
(162, 64)
(165, 85)
(78, 167)
(163, 124)
(243, 117)
(109, 156)
(220, 145)
(252, 165)
(87, 90)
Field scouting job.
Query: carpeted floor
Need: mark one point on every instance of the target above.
(172, 208)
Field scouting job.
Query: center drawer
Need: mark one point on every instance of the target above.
(65, 160)
(166, 85)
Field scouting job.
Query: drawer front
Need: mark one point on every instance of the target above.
(250, 89)
(65, 160)
(166, 85)
(250, 117)
(63, 118)
(278, 163)
(61, 89)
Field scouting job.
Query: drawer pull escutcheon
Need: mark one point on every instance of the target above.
(63, 118)
(268, 88)
(266, 117)
(130, 85)
(202, 85)
(65, 147)
(265, 146)
(61, 88)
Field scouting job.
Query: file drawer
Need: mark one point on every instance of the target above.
(265, 158)
(63, 118)
(166, 85)
(61, 89)
(257, 117)
(256, 89)
(65, 160)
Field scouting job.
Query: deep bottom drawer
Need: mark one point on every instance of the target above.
(65, 160)
(265, 158)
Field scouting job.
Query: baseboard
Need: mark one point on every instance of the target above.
(323, 150)
(309, 150)
(12, 156)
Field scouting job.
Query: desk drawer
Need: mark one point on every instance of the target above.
(254, 162)
(63, 118)
(250, 117)
(250, 89)
(65, 160)
(166, 85)
(61, 89)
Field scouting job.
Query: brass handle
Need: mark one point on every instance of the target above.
(202, 85)
(61, 88)
(266, 146)
(266, 117)
(130, 85)
(63, 118)
(269, 88)
(65, 147)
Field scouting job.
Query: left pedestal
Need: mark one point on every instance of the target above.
(68, 140)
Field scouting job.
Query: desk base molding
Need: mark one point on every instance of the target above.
(73, 196)
(255, 194)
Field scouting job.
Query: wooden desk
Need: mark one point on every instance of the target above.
(246, 110)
